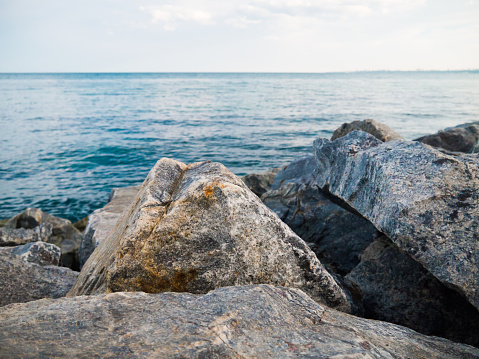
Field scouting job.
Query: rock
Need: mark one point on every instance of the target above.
(378, 130)
(425, 201)
(40, 253)
(64, 235)
(233, 322)
(103, 220)
(260, 183)
(337, 236)
(19, 236)
(3, 222)
(23, 281)
(462, 138)
(397, 289)
(196, 228)
(81, 224)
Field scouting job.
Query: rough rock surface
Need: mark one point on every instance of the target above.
(425, 201)
(22, 281)
(233, 322)
(260, 183)
(103, 220)
(337, 236)
(64, 235)
(196, 228)
(397, 289)
(40, 253)
(81, 224)
(378, 130)
(19, 236)
(462, 138)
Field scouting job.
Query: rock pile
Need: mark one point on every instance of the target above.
(193, 263)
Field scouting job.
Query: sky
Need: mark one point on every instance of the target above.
(238, 35)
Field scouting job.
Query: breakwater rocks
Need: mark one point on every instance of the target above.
(196, 262)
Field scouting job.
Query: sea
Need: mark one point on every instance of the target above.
(67, 139)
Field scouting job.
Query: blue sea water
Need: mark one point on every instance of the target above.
(67, 139)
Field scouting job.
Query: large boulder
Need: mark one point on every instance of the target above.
(22, 281)
(64, 235)
(337, 236)
(397, 289)
(378, 130)
(196, 228)
(233, 322)
(41, 253)
(19, 236)
(103, 220)
(425, 201)
(462, 138)
(260, 183)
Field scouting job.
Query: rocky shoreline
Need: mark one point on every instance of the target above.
(369, 247)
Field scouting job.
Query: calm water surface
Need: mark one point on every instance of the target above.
(67, 139)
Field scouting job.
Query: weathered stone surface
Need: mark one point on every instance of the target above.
(40, 253)
(462, 138)
(260, 183)
(196, 228)
(233, 322)
(103, 220)
(22, 281)
(81, 224)
(3, 222)
(19, 236)
(378, 130)
(397, 289)
(338, 237)
(64, 235)
(425, 201)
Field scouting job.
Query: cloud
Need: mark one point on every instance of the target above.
(242, 14)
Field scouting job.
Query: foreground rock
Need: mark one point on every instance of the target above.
(425, 201)
(22, 281)
(337, 236)
(19, 236)
(40, 253)
(397, 289)
(64, 235)
(233, 322)
(103, 220)
(462, 138)
(196, 228)
(260, 183)
(378, 130)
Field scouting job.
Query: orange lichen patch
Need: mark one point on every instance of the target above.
(151, 282)
(208, 190)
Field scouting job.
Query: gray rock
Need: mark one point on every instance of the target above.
(337, 236)
(103, 220)
(40, 253)
(23, 281)
(378, 130)
(260, 183)
(196, 228)
(19, 236)
(64, 235)
(233, 322)
(425, 201)
(397, 289)
(462, 138)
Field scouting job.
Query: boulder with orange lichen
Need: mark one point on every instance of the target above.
(194, 228)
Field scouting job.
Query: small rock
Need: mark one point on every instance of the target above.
(23, 281)
(462, 138)
(259, 321)
(196, 228)
(19, 236)
(103, 220)
(426, 202)
(40, 253)
(260, 183)
(378, 130)
(81, 224)
(64, 235)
